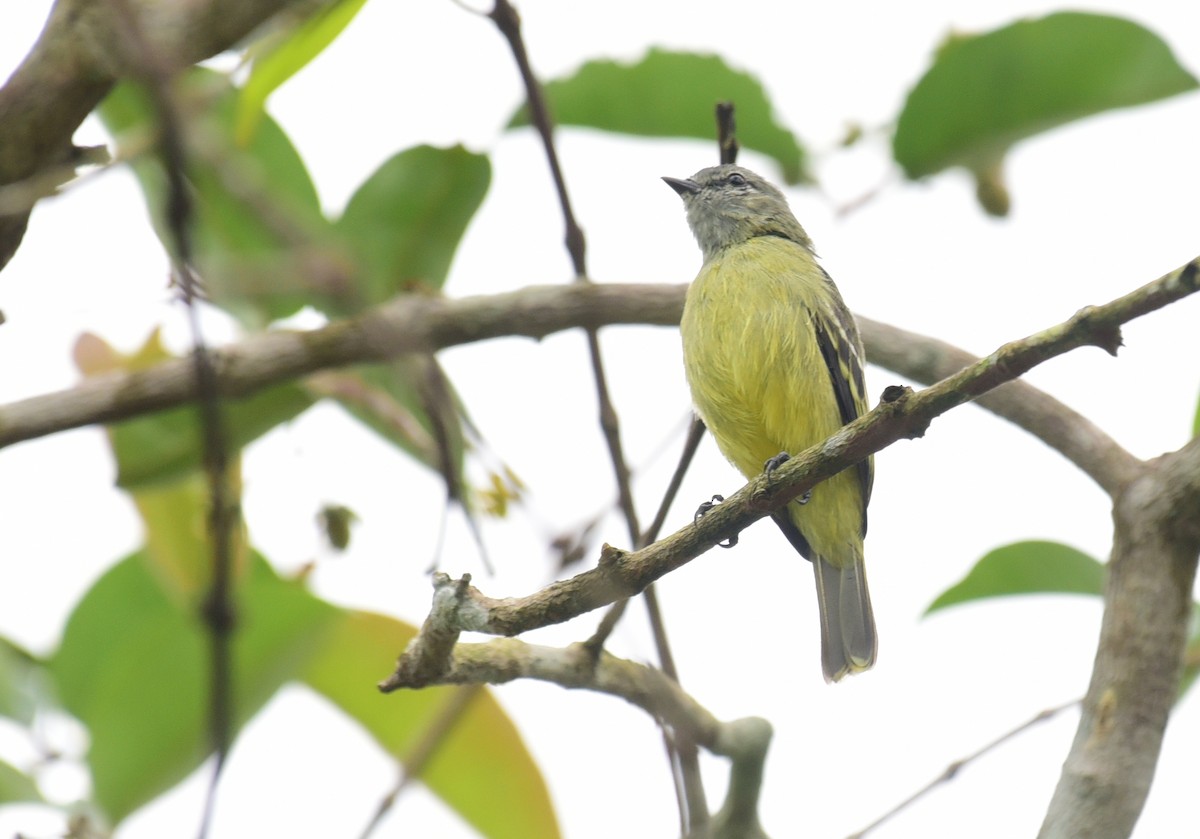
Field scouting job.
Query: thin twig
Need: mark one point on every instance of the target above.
(613, 615)
(508, 22)
(727, 142)
(680, 748)
(218, 609)
(952, 770)
(423, 750)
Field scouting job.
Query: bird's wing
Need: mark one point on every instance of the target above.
(837, 338)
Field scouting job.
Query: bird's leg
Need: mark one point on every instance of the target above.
(774, 463)
(703, 510)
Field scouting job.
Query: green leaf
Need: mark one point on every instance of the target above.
(394, 401)
(168, 445)
(177, 550)
(1026, 568)
(405, 222)
(480, 768)
(985, 93)
(16, 786)
(284, 58)
(673, 94)
(1196, 422)
(133, 667)
(22, 683)
(260, 241)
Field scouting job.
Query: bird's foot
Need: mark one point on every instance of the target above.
(777, 461)
(704, 509)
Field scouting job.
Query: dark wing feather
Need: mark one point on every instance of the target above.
(841, 348)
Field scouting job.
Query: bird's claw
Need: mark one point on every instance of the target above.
(775, 462)
(704, 509)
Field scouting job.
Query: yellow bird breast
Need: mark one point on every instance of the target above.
(759, 380)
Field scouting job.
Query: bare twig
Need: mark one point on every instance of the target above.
(951, 771)
(727, 142)
(219, 610)
(695, 433)
(418, 758)
(509, 23)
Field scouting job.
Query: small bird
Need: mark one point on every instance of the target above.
(775, 365)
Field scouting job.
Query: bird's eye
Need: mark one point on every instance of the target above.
(737, 179)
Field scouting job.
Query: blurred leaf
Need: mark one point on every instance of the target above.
(16, 786)
(261, 244)
(167, 445)
(1026, 568)
(673, 94)
(388, 400)
(22, 684)
(1196, 422)
(336, 521)
(504, 488)
(133, 667)
(286, 57)
(481, 768)
(985, 93)
(94, 356)
(405, 222)
(178, 550)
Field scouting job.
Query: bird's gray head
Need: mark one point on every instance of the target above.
(727, 205)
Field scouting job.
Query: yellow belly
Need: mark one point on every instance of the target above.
(759, 380)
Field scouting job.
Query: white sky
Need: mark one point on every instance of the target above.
(1099, 208)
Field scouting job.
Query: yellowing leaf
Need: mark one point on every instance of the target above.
(480, 768)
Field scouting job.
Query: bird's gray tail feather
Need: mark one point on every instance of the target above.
(848, 641)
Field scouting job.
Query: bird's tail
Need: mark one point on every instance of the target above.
(848, 642)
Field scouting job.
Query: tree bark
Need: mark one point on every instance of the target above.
(76, 60)
(1139, 661)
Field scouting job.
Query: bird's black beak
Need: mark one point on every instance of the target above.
(683, 186)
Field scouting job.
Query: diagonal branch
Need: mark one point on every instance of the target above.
(903, 414)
